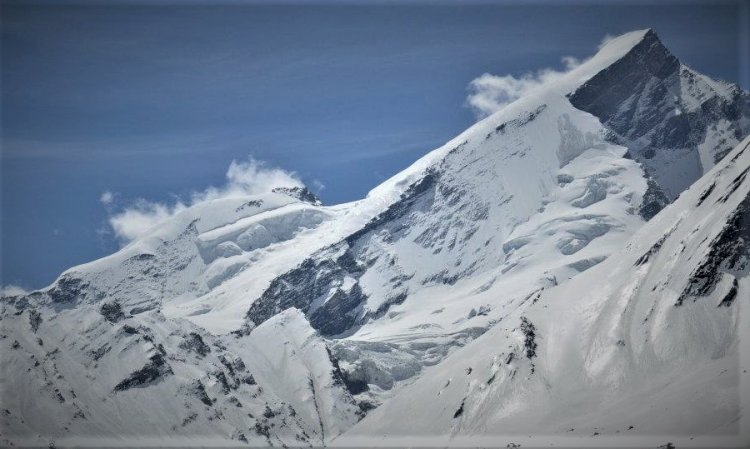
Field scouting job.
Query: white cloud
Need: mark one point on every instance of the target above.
(11, 290)
(490, 93)
(318, 186)
(242, 178)
(134, 221)
(249, 178)
(107, 198)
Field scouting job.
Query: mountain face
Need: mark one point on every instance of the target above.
(676, 122)
(523, 278)
(649, 342)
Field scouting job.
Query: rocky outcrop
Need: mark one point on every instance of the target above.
(300, 193)
(729, 254)
(156, 368)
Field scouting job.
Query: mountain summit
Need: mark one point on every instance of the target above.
(521, 278)
(676, 122)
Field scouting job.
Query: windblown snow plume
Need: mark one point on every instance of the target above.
(251, 177)
(137, 219)
(490, 93)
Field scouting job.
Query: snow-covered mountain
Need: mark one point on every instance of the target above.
(506, 253)
(646, 348)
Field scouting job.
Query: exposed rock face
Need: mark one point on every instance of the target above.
(112, 311)
(676, 122)
(68, 289)
(194, 342)
(529, 334)
(654, 200)
(606, 93)
(322, 279)
(155, 369)
(729, 254)
(326, 286)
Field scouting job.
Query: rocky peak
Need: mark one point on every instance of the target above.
(604, 94)
(676, 122)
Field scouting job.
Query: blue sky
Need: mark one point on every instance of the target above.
(155, 102)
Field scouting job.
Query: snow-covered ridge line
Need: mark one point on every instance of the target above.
(487, 188)
(389, 191)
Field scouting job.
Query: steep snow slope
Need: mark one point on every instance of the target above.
(643, 349)
(461, 201)
(544, 160)
(448, 215)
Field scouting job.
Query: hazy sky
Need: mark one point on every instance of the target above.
(154, 102)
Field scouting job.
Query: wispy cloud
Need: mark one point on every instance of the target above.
(318, 186)
(11, 290)
(107, 197)
(242, 178)
(137, 219)
(490, 93)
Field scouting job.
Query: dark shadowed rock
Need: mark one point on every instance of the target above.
(67, 289)
(155, 369)
(194, 342)
(325, 271)
(729, 252)
(654, 200)
(662, 111)
(529, 332)
(35, 319)
(112, 311)
(199, 391)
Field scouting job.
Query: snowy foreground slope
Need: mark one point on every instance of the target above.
(486, 290)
